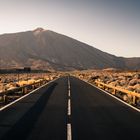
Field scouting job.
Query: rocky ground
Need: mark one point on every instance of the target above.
(126, 80)
(10, 81)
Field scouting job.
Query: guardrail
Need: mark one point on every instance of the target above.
(8, 95)
(128, 96)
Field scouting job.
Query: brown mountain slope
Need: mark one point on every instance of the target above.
(46, 49)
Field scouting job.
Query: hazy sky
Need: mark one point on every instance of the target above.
(112, 26)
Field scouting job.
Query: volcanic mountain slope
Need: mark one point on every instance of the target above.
(44, 49)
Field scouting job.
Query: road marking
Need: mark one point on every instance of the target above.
(8, 105)
(69, 87)
(69, 93)
(69, 134)
(132, 107)
(69, 129)
(69, 107)
(68, 83)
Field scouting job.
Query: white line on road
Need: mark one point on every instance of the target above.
(132, 107)
(69, 107)
(69, 93)
(120, 100)
(69, 134)
(68, 83)
(8, 105)
(69, 129)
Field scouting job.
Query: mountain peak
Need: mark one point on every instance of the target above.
(38, 30)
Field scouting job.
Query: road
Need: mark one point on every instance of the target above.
(69, 108)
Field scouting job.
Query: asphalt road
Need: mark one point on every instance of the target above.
(93, 115)
(40, 116)
(98, 116)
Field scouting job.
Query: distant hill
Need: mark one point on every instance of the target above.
(45, 49)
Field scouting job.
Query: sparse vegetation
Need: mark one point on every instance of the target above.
(127, 81)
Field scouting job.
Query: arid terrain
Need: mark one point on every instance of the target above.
(10, 81)
(127, 80)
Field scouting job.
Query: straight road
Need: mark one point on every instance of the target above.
(69, 109)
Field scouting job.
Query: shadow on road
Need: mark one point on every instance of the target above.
(23, 127)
